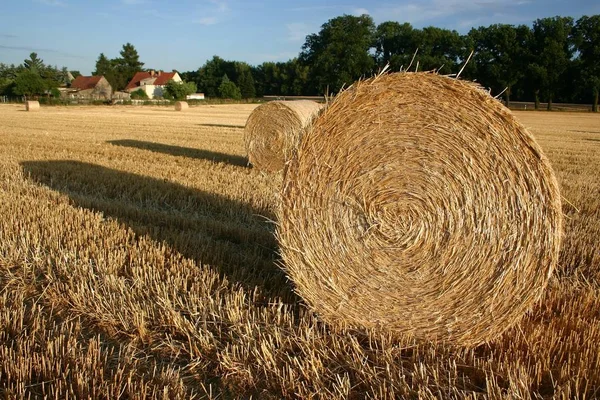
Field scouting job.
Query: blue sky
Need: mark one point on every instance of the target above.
(184, 34)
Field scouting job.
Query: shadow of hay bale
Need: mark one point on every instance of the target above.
(179, 151)
(228, 235)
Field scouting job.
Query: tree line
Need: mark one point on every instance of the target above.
(33, 77)
(556, 59)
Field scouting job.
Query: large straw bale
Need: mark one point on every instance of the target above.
(274, 129)
(32, 105)
(181, 106)
(417, 204)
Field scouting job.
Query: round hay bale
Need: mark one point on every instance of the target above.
(417, 204)
(274, 129)
(181, 106)
(32, 105)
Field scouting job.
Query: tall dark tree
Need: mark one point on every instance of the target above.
(395, 44)
(340, 53)
(210, 75)
(126, 66)
(34, 63)
(587, 39)
(246, 84)
(294, 77)
(105, 67)
(439, 49)
(501, 56)
(552, 50)
(268, 81)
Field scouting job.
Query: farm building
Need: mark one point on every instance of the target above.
(195, 96)
(151, 82)
(90, 87)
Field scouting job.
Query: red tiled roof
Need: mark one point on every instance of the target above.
(137, 78)
(85, 82)
(161, 79)
(164, 78)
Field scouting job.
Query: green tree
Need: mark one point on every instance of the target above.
(587, 39)
(178, 90)
(8, 73)
(139, 94)
(29, 83)
(551, 49)
(105, 67)
(339, 53)
(395, 44)
(501, 55)
(246, 84)
(229, 90)
(439, 49)
(34, 63)
(126, 66)
(210, 75)
(267, 81)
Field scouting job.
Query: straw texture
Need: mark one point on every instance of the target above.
(417, 204)
(274, 129)
(32, 105)
(181, 106)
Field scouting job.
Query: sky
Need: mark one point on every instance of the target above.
(184, 34)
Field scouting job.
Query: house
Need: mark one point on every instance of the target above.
(151, 82)
(90, 87)
(195, 96)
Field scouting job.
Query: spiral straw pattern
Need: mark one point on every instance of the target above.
(419, 205)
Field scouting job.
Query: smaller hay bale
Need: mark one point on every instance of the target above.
(181, 106)
(274, 130)
(32, 105)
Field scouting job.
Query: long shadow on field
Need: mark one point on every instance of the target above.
(224, 126)
(228, 235)
(183, 151)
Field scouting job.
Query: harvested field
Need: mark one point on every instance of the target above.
(137, 259)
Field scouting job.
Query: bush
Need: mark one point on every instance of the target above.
(178, 90)
(229, 90)
(139, 95)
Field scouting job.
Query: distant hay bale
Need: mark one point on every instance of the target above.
(181, 106)
(32, 105)
(417, 204)
(274, 129)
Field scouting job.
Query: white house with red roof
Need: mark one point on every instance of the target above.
(151, 82)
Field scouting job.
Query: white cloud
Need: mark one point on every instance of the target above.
(297, 31)
(214, 14)
(207, 21)
(428, 10)
(360, 11)
(221, 5)
(53, 3)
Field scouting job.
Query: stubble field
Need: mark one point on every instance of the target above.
(137, 260)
